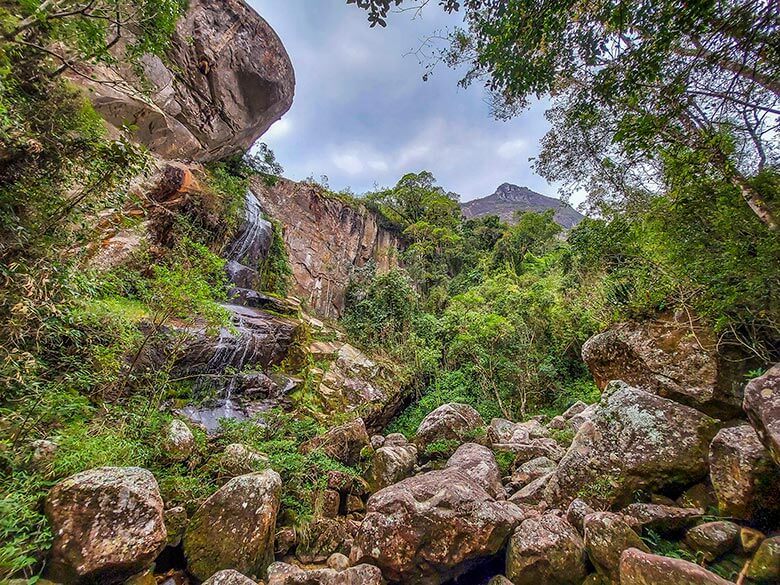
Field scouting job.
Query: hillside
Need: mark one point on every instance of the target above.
(509, 198)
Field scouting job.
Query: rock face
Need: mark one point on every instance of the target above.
(234, 528)
(226, 79)
(546, 551)
(453, 422)
(107, 524)
(665, 357)
(762, 405)
(635, 441)
(429, 528)
(639, 568)
(326, 239)
(479, 463)
(744, 476)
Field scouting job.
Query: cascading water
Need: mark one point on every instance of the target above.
(249, 343)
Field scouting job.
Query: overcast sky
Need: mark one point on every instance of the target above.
(363, 116)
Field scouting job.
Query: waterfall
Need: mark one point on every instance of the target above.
(252, 243)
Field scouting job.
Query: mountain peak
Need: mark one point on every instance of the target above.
(509, 198)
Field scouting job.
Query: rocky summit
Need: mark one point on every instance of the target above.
(215, 374)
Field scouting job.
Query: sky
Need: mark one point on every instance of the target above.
(363, 116)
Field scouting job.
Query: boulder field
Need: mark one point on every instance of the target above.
(642, 471)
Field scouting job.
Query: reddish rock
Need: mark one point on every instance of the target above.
(344, 442)
(665, 520)
(449, 422)
(762, 405)
(606, 537)
(713, 539)
(640, 568)
(479, 463)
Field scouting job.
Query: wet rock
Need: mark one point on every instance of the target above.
(532, 470)
(744, 476)
(449, 422)
(107, 524)
(338, 562)
(390, 465)
(765, 565)
(238, 459)
(713, 539)
(665, 520)
(664, 357)
(235, 527)
(178, 441)
(640, 568)
(429, 528)
(636, 441)
(545, 551)
(576, 513)
(228, 577)
(479, 463)
(762, 405)
(606, 537)
(175, 524)
(224, 80)
(343, 443)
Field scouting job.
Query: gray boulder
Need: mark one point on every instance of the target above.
(449, 422)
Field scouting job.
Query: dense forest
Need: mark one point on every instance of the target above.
(665, 113)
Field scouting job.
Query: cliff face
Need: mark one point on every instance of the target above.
(226, 79)
(326, 238)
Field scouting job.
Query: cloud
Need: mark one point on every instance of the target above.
(363, 116)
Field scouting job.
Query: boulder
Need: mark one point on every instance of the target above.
(765, 565)
(431, 527)
(558, 423)
(502, 431)
(607, 535)
(338, 562)
(238, 459)
(396, 440)
(178, 441)
(532, 470)
(223, 81)
(343, 443)
(324, 537)
(576, 513)
(665, 357)
(640, 568)
(390, 465)
(107, 524)
(235, 527)
(576, 421)
(327, 503)
(449, 422)
(762, 405)
(228, 577)
(750, 538)
(545, 551)
(663, 519)
(479, 463)
(744, 476)
(713, 539)
(284, 574)
(533, 493)
(700, 495)
(636, 441)
(577, 408)
(532, 449)
(175, 524)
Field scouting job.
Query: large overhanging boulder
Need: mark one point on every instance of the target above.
(635, 441)
(225, 79)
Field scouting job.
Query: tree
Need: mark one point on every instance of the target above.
(632, 83)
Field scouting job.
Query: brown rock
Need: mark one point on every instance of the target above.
(175, 524)
(390, 465)
(750, 538)
(344, 442)
(224, 80)
(762, 405)
(765, 565)
(532, 449)
(545, 551)
(640, 568)
(713, 539)
(606, 537)
(107, 524)
(228, 577)
(324, 537)
(636, 441)
(576, 513)
(665, 520)
(665, 357)
(479, 463)
(450, 422)
(744, 476)
(235, 527)
(327, 503)
(532, 470)
(700, 495)
(428, 528)
(533, 493)
(338, 562)
(355, 504)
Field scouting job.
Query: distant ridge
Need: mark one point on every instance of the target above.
(509, 198)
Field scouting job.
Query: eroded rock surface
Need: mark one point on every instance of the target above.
(762, 405)
(107, 524)
(640, 568)
(479, 463)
